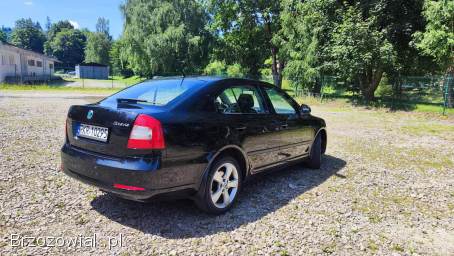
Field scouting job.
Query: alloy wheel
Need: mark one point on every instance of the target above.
(224, 185)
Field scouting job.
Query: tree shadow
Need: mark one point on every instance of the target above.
(262, 195)
(404, 102)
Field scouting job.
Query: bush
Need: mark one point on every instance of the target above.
(235, 70)
(385, 89)
(217, 68)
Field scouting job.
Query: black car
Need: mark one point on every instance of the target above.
(198, 137)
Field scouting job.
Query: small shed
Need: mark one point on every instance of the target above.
(92, 71)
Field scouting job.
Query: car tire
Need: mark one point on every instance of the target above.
(221, 187)
(315, 158)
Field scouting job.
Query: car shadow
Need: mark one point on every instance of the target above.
(261, 196)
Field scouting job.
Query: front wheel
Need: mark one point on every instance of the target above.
(315, 158)
(222, 186)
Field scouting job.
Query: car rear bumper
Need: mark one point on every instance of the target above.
(105, 171)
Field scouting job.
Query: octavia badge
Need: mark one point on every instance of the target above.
(90, 114)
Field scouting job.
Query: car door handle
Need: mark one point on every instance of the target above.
(240, 128)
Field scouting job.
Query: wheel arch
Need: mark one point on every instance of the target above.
(235, 152)
(230, 150)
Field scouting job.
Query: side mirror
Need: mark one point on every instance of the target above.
(305, 109)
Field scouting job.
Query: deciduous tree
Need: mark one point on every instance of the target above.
(361, 52)
(438, 39)
(306, 34)
(245, 32)
(165, 37)
(28, 35)
(68, 46)
(97, 48)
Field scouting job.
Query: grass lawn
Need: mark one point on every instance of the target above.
(118, 79)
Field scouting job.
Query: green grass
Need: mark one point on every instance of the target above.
(118, 79)
(429, 108)
(129, 81)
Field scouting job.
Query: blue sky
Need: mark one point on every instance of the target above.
(82, 13)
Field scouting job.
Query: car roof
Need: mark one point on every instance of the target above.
(208, 80)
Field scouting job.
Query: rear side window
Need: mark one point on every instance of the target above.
(240, 99)
(157, 92)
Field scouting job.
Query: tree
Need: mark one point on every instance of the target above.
(57, 27)
(246, 32)
(48, 24)
(165, 36)
(97, 48)
(438, 39)
(53, 30)
(306, 35)
(3, 37)
(399, 20)
(68, 46)
(102, 26)
(28, 35)
(118, 60)
(7, 32)
(361, 52)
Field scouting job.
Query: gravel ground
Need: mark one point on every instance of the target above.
(386, 187)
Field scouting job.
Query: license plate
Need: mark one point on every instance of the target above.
(93, 132)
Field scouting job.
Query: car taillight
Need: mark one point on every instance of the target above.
(146, 133)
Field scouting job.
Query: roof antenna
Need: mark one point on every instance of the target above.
(182, 73)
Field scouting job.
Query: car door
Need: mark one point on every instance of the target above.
(297, 133)
(251, 123)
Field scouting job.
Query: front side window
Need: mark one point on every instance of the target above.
(280, 103)
(240, 100)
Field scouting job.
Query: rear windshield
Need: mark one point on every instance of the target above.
(153, 92)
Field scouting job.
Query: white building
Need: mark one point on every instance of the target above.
(19, 65)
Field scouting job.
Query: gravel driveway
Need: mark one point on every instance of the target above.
(386, 186)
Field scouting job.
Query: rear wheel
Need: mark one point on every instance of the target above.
(222, 186)
(315, 159)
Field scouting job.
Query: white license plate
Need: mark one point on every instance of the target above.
(93, 132)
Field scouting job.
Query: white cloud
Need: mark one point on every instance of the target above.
(28, 3)
(75, 24)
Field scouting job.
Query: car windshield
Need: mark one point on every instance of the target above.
(153, 92)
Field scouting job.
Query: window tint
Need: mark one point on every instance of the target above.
(157, 92)
(280, 103)
(240, 99)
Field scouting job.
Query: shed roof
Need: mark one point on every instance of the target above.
(92, 64)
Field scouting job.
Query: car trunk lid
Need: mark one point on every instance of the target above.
(118, 121)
